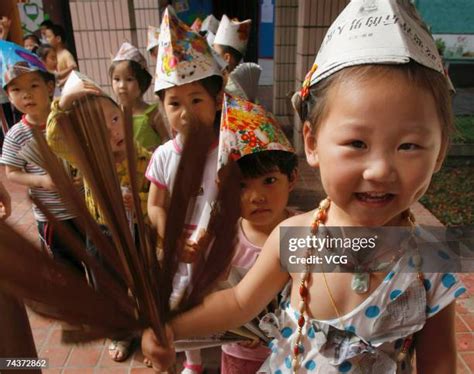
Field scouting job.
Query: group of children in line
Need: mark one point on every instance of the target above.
(377, 121)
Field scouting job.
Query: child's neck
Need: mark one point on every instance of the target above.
(258, 234)
(37, 119)
(139, 106)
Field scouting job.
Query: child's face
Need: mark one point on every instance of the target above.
(115, 125)
(29, 44)
(377, 148)
(183, 103)
(263, 199)
(30, 94)
(124, 84)
(51, 39)
(51, 61)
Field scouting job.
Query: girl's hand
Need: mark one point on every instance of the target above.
(161, 358)
(5, 24)
(252, 344)
(78, 92)
(128, 201)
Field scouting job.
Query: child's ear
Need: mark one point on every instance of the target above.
(310, 145)
(441, 156)
(219, 100)
(292, 179)
(51, 86)
(227, 57)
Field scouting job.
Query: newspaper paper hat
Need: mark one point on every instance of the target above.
(210, 24)
(233, 33)
(196, 26)
(128, 52)
(373, 32)
(77, 80)
(183, 55)
(248, 128)
(153, 34)
(16, 61)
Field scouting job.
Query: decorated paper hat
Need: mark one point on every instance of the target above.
(248, 128)
(128, 52)
(153, 34)
(183, 55)
(77, 80)
(233, 33)
(16, 61)
(374, 32)
(210, 24)
(196, 26)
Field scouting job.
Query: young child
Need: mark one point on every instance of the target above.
(77, 87)
(48, 56)
(29, 87)
(130, 80)
(189, 84)
(56, 37)
(47, 23)
(269, 167)
(231, 40)
(377, 119)
(31, 42)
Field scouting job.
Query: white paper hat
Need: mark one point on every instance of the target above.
(152, 37)
(376, 32)
(210, 24)
(183, 55)
(128, 52)
(77, 80)
(233, 33)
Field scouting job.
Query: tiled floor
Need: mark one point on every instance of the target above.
(93, 358)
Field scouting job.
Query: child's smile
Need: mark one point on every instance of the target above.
(377, 148)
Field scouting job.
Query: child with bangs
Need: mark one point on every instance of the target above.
(377, 121)
(130, 81)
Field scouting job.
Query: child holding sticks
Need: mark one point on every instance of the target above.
(377, 120)
(77, 88)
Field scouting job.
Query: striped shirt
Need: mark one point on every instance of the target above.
(15, 139)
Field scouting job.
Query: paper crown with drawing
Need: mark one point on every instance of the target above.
(233, 33)
(153, 33)
(247, 128)
(77, 80)
(16, 61)
(183, 55)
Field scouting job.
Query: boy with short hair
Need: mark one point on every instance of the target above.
(55, 36)
(29, 87)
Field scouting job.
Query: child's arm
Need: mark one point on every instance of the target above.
(229, 308)
(19, 176)
(5, 203)
(435, 344)
(157, 205)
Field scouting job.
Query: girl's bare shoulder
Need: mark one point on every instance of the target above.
(302, 219)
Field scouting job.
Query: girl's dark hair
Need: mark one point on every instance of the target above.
(258, 164)
(43, 50)
(58, 30)
(142, 75)
(212, 85)
(32, 36)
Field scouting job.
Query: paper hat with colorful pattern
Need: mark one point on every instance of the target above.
(128, 52)
(16, 61)
(248, 128)
(183, 55)
(210, 24)
(196, 26)
(77, 80)
(152, 35)
(375, 32)
(233, 33)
